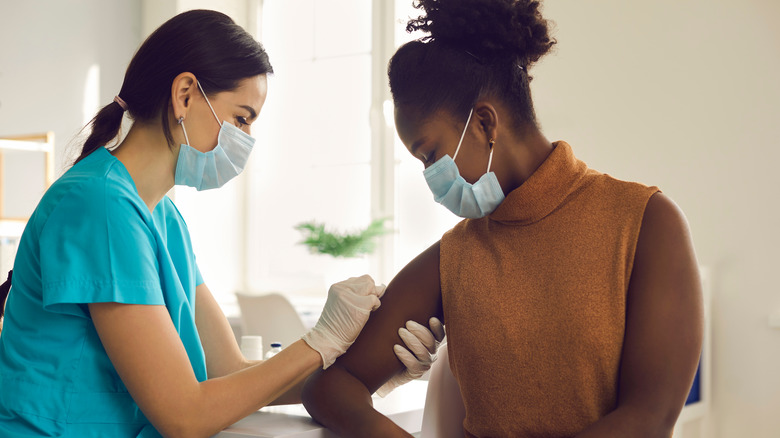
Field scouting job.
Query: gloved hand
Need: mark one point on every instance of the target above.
(423, 343)
(346, 311)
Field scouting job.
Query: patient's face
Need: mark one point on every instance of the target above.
(429, 139)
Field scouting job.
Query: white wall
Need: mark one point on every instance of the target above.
(61, 61)
(684, 95)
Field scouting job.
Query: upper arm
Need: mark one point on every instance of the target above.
(664, 315)
(97, 247)
(219, 343)
(414, 294)
(149, 357)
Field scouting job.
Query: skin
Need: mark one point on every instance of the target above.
(142, 342)
(664, 314)
(145, 151)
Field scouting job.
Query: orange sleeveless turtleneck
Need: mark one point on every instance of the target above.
(534, 300)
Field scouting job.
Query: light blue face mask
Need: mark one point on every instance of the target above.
(452, 191)
(212, 169)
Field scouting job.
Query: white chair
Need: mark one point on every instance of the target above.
(444, 412)
(270, 316)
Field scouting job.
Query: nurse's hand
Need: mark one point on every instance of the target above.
(346, 311)
(419, 354)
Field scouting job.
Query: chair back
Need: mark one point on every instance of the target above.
(270, 316)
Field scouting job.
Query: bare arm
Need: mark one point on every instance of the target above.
(223, 356)
(664, 323)
(340, 397)
(146, 351)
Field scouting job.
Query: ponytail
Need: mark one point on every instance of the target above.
(105, 127)
(4, 289)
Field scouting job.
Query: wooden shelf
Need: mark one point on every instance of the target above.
(33, 143)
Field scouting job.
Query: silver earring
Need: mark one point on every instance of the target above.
(181, 119)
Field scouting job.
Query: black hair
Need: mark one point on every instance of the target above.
(475, 49)
(206, 43)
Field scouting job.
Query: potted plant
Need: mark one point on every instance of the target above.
(321, 239)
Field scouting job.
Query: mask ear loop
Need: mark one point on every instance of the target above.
(463, 135)
(490, 160)
(181, 123)
(209, 103)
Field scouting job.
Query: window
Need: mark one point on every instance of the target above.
(322, 146)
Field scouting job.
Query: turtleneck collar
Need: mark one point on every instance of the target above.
(544, 190)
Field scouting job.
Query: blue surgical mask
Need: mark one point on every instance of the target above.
(452, 191)
(212, 169)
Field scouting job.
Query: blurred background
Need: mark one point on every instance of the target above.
(679, 94)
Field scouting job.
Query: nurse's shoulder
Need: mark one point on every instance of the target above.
(96, 189)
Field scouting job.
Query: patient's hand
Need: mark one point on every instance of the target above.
(419, 354)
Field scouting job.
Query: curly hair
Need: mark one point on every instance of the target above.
(474, 49)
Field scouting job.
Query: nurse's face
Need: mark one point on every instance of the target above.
(240, 107)
(437, 135)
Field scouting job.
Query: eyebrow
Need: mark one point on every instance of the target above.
(252, 112)
(417, 144)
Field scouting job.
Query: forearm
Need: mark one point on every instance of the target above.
(634, 422)
(343, 404)
(218, 403)
(291, 396)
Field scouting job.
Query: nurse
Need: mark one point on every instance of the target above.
(109, 327)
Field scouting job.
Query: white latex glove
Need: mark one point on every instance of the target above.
(346, 311)
(422, 345)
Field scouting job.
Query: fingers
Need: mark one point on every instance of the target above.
(375, 302)
(380, 290)
(414, 368)
(360, 292)
(423, 334)
(397, 380)
(437, 328)
(415, 345)
(363, 285)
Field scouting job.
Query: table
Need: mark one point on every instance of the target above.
(404, 406)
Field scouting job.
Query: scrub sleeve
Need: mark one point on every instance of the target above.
(98, 249)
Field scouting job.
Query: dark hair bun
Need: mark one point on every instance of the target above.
(487, 29)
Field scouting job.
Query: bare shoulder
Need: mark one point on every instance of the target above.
(663, 214)
(664, 252)
(665, 245)
(414, 294)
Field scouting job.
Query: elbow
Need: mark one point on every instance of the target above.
(184, 429)
(658, 423)
(186, 425)
(667, 421)
(174, 428)
(311, 395)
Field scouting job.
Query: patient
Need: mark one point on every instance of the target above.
(571, 299)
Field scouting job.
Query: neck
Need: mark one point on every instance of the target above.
(149, 160)
(518, 157)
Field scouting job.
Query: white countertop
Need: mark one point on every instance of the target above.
(404, 406)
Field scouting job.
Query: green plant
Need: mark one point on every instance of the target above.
(322, 241)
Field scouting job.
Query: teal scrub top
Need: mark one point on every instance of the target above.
(90, 240)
